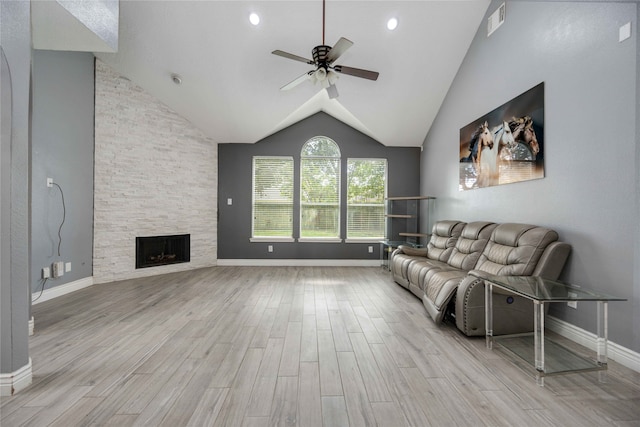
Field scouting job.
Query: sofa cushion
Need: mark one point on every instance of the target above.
(439, 283)
(419, 269)
(444, 235)
(514, 249)
(470, 244)
(400, 260)
(439, 288)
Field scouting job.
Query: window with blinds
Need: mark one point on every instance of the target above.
(366, 190)
(272, 197)
(320, 189)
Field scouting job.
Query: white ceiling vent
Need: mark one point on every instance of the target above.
(495, 20)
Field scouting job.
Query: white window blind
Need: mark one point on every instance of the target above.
(366, 190)
(320, 189)
(272, 197)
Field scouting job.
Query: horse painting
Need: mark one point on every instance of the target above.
(501, 147)
(522, 130)
(502, 138)
(481, 137)
(485, 140)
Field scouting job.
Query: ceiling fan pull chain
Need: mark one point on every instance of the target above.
(323, 1)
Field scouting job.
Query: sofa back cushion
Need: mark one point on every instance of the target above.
(515, 249)
(470, 244)
(444, 235)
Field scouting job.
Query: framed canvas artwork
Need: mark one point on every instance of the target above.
(505, 145)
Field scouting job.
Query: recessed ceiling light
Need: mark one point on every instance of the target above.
(176, 79)
(254, 18)
(392, 24)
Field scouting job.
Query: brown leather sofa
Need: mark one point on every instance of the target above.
(439, 273)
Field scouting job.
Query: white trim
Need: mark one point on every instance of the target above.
(620, 354)
(271, 239)
(319, 240)
(13, 382)
(58, 291)
(300, 262)
(32, 323)
(362, 240)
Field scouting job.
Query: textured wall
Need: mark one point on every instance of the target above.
(590, 191)
(155, 174)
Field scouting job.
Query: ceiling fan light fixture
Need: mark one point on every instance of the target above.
(392, 24)
(332, 77)
(324, 57)
(321, 74)
(254, 18)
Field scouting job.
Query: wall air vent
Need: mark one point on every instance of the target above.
(496, 19)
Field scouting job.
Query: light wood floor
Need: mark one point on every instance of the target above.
(256, 346)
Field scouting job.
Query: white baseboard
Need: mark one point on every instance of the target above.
(299, 262)
(58, 291)
(13, 382)
(622, 355)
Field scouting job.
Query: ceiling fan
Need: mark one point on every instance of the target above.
(324, 57)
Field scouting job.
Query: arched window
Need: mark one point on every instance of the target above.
(320, 189)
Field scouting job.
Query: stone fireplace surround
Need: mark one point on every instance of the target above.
(155, 174)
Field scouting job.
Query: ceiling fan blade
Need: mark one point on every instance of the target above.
(340, 47)
(332, 91)
(292, 56)
(296, 82)
(357, 72)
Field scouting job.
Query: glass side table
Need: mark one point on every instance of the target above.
(549, 358)
(388, 246)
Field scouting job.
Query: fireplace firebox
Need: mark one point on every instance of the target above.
(162, 250)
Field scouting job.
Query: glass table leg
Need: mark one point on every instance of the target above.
(602, 339)
(538, 340)
(488, 313)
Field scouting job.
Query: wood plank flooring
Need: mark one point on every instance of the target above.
(285, 346)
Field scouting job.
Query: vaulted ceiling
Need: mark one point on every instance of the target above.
(230, 80)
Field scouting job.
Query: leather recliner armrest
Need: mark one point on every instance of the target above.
(412, 251)
(552, 260)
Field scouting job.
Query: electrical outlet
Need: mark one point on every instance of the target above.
(46, 273)
(58, 269)
(370, 249)
(67, 267)
(270, 248)
(49, 182)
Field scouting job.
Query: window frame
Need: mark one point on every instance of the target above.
(370, 239)
(338, 160)
(253, 237)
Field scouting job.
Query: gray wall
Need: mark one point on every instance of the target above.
(62, 148)
(14, 209)
(590, 194)
(235, 180)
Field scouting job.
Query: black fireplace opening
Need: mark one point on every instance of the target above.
(162, 250)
